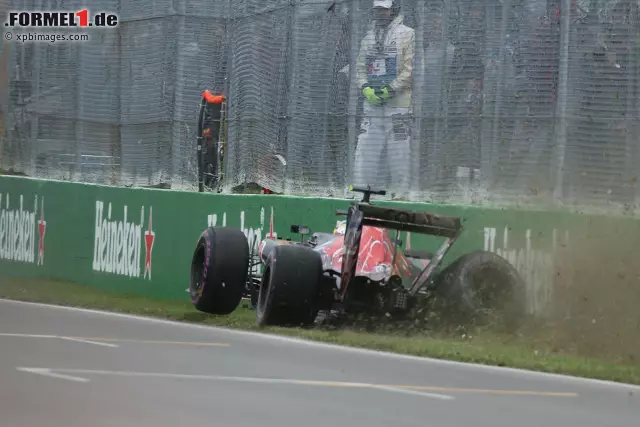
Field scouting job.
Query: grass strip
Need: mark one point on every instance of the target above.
(526, 352)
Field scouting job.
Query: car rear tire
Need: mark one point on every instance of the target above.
(464, 297)
(290, 286)
(219, 270)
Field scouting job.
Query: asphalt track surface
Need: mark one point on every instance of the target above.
(63, 367)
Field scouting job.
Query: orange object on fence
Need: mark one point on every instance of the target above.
(211, 98)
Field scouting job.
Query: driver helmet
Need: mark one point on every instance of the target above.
(341, 227)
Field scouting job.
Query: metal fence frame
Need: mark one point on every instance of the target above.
(261, 126)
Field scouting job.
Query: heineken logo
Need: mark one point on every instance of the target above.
(20, 229)
(118, 239)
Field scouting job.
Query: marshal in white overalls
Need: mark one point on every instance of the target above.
(385, 60)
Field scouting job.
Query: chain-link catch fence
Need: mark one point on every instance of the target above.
(534, 102)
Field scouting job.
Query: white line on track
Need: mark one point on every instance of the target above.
(61, 373)
(335, 347)
(104, 344)
(414, 392)
(49, 373)
(60, 338)
(27, 336)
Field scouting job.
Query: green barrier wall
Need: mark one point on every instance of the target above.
(141, 240)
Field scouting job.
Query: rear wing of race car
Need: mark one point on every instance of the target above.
(415, 222)
(402, 219)
(363, 213)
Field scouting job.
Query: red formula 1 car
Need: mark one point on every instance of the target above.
(357, 268)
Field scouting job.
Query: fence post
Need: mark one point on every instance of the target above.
(418, 75)
(289, 108)
(354, 92)
(229, 27)
(77, 164)
(180, 76)
(35, 95)
(487, 172)
(117, 148)
(560, 146)
(4, 83)
(633, 111)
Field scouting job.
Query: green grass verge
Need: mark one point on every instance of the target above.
(527, 351)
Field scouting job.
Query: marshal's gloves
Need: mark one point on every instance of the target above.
(385, 93)
(370, 95)
(376, 96)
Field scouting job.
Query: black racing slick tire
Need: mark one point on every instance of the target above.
(290, 287)
(219, 270)
(482, 288)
